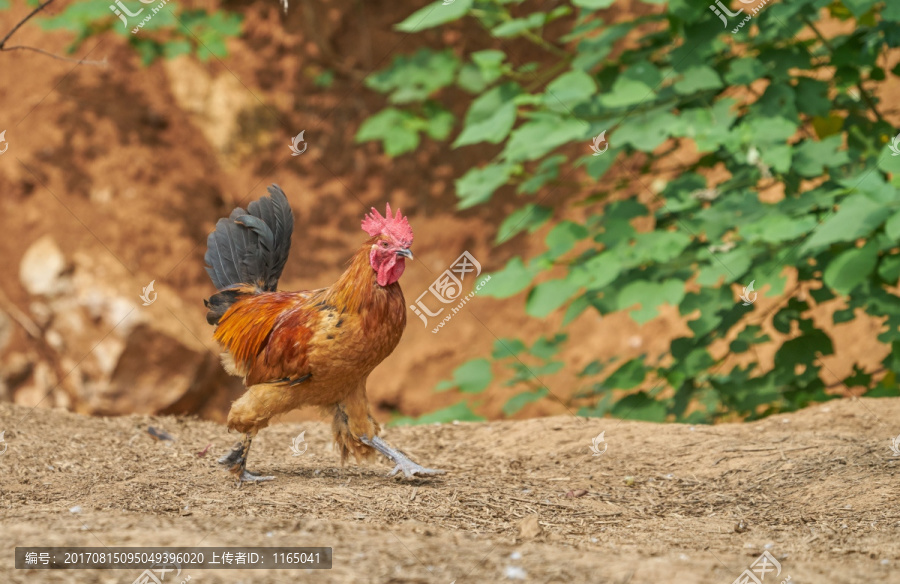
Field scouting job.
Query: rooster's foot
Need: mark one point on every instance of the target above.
(236, 461)
(404, 464)
(252, 477)
(411, 469)
(235, 457)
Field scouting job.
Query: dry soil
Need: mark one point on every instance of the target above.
(663, 503)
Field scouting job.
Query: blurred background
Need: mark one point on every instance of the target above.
(626, 173)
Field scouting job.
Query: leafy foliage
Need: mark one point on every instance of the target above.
(766, 111)
(168, 33)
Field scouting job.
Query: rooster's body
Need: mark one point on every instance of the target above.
(309, 348)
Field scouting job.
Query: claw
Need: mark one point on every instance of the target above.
(404, 464)
(252, 477)
(411, 469)
(236, 461)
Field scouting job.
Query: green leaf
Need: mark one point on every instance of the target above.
(519, 401)
(595, 49)
(640, 406)
(547, 347)
(744, 71)
(596, 166)
(414, 78)
(892, 227)
(698, 78)
(563, 237)
(541, 134)
(851, 268)
(727, 266)
(394, 128)
(509, 281)
(659, 246)
(803, 350)
(491, 116)
(517, 26)
(176, 48)
(435, 14)
(439, 122)
(598, 271)
(547, 170)
(646, 131)
(568, 90)
(529, 217)
(79, 16)
(857, 217)
(650, 295)
(548, 296)
(471, 377)
(708, 127)
(777, 228)
(593, 4)
(635, 85)
(477, 185)
(811, 158)
(888, 161)
(490, 63)
(507, 348)
(859, 7)
(628, 376)
(812, 97)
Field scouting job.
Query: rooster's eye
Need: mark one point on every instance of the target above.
(384, 244)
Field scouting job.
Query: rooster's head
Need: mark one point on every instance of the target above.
(392, 237)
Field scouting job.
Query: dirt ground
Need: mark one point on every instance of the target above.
(663, 503)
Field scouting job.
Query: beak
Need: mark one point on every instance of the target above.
(404, 252)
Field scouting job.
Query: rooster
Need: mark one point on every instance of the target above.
(308, 348)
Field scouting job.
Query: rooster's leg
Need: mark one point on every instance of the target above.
(404, 464)
(236, 461)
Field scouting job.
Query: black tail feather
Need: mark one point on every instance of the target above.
(249, 248)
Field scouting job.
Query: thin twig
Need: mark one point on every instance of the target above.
(20, 317)
(23, 21)
(40, 7)
(54, 56)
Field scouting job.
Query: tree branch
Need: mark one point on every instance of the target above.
(40, 7)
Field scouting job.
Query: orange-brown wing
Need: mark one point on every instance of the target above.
(268, 335)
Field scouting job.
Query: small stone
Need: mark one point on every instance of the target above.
(529, 528)
(42, 267)
(515, 573)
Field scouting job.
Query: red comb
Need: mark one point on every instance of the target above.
(396, 227)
